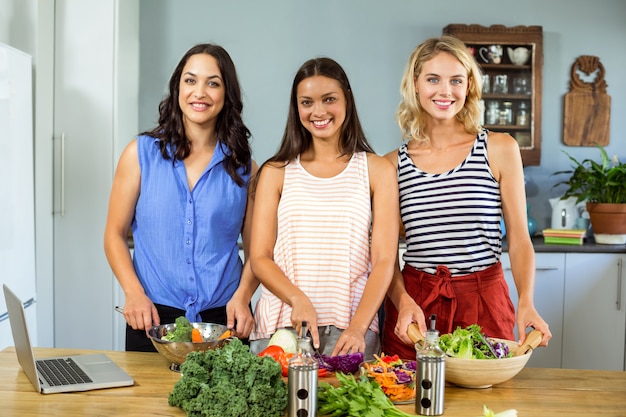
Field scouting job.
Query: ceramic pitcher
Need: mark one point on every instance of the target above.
(564, 213)
(519, 55)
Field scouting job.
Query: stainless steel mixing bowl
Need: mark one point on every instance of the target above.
(176, 352)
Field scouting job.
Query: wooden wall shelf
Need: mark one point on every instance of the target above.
(526, 132)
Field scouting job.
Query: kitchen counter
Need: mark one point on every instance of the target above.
(534, 392)
(589, 246)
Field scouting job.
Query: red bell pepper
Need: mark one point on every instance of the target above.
(278, 354)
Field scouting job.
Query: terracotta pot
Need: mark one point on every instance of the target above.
(607, 219)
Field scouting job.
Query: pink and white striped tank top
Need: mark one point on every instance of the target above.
(322, 245)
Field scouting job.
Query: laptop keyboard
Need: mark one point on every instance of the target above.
(61, 372)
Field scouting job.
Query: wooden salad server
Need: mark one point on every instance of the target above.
(414, 333)
(533, 338)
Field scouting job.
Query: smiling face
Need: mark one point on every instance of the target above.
(201, 95)
(321, 106)
(442, 86)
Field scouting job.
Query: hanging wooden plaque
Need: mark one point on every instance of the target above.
(587, 107)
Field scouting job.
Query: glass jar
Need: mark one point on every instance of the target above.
(521, 85)
(522, 118)
(493, 113)
(501, 84)
(506, 114)
(481, 106)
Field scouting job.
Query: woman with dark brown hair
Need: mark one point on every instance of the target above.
(183, 190)
(325, 226)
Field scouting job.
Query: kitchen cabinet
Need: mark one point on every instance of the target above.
(594, 328)
(95, 115)
(549, 284)
(512, 88)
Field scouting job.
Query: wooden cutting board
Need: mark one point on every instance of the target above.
(587, 107)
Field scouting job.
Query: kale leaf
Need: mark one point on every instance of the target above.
(229, 381)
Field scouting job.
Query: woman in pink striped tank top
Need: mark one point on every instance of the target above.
(325, 223)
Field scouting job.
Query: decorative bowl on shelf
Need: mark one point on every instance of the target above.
(484, 373)
(176, 352)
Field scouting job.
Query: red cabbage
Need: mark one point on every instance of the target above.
(348, 363)
(403, 377)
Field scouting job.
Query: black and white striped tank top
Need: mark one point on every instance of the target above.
(453, 218)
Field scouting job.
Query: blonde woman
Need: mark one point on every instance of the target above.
(456, 180)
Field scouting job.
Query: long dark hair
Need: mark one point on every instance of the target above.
(231, 131)
(296, 139)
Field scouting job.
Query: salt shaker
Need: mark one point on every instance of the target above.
(302, 379)
(431, 376)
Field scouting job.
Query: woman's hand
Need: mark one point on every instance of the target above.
(140, 313)
(409, 312)
(527, 316)
(350, 341)
(302, 310)
(239, 317)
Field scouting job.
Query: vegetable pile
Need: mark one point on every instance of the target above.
(355, 397)
(279, 355)
(229, 382)
(395, 377)
(182, 332)
(471, 343)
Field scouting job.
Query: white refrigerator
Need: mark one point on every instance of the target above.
(17, 206)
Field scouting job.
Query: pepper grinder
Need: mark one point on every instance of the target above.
(302, 379)
(430, 374)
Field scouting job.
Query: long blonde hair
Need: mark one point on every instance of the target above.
(410, 115)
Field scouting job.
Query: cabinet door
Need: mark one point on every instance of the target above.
(83, 124)
(549, 280)
(595, 311)
(92, 85)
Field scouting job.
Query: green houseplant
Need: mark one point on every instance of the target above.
(603, 186)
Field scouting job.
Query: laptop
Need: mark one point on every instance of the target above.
(64, 373)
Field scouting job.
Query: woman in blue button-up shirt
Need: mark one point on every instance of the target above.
(183, 189)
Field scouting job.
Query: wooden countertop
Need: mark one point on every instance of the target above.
(534, 392)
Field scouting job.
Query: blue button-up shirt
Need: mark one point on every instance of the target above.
(186, 253)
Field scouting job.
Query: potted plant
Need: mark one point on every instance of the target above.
(603, 186)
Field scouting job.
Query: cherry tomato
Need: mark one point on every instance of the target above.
(390, 359)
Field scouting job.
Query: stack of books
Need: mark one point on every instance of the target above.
(564, 236)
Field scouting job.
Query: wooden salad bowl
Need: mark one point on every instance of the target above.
(484, 373)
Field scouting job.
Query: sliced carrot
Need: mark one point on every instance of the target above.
(228, 333)
(388, 381)
(196, 336)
